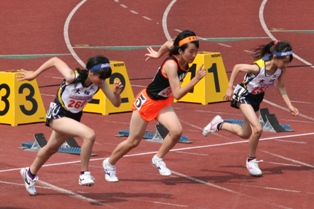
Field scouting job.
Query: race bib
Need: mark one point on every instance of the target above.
(141, 99)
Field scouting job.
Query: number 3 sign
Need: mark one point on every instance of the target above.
(20, 101)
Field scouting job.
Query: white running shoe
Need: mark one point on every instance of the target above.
(212, 126)
(29, 182)
(161, 165)
(86, 179)
(110, 171)
(253, 168)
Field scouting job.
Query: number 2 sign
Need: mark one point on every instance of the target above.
(20, 101)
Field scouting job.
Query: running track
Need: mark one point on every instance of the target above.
(210, 172)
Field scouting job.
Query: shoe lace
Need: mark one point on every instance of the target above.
(255, 162)
(160, 163)
(32, 181)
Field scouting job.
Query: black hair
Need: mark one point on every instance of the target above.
(270, 48)
(103, 73)
(182, 35)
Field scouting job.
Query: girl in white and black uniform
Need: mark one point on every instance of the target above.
(64, 114)
(271, 63)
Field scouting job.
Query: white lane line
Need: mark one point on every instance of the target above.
(191, 153)
(225, 189)
(296, 142)
(286, 109)
(288, 159)
(164, 20)
(179, 149)
(267, 188)
(134, 12)
(226, 45)
(270, 35)
(124, 6)
(70, 193)
(146, 18)
(66, 33)
(285, 164)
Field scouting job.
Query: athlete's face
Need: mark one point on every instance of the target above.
(189, 53)
(95, 79)
(282, 62)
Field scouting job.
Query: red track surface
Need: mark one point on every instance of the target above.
(210, 172)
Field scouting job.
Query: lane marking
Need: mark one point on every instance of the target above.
(270, 35)
(296, 142)
(164, 20)
(66, 33)
(226, 189)
(70, 193)
(268, 188)
(285, 164)
(30, 56)
(178, 149)
(288, 159)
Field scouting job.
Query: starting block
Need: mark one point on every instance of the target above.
(155, 136)
(268, 121)
(69, 146)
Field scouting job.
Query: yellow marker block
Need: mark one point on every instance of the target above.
(101, 104)
(213, 86)
(20, 101)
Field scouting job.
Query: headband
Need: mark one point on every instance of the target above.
(282, 54)
(277, 54)
(99, 66)
(187, 40)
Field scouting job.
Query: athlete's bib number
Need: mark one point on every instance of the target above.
(140, 101)
(76, 104)
(259, 90)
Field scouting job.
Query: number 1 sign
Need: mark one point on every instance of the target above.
(213, 86)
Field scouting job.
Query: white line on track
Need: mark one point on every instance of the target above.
(225, 189)
(288, 159)
(267, 31)
(268, 188)
(226, 45)
(164, 20)
(187, 148)
(66, 33)
(70, 193)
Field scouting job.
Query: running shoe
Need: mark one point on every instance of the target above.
(86, 179)
(110, 171)
(253, 168)
(212, 126)
(29, 182)
(161, 165)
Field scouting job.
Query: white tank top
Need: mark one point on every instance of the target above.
(74, 97)
(256, 84)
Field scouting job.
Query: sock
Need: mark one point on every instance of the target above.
(107, 162)
(30, 174)
(158, 158)
(250, 158)
(219, 125)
